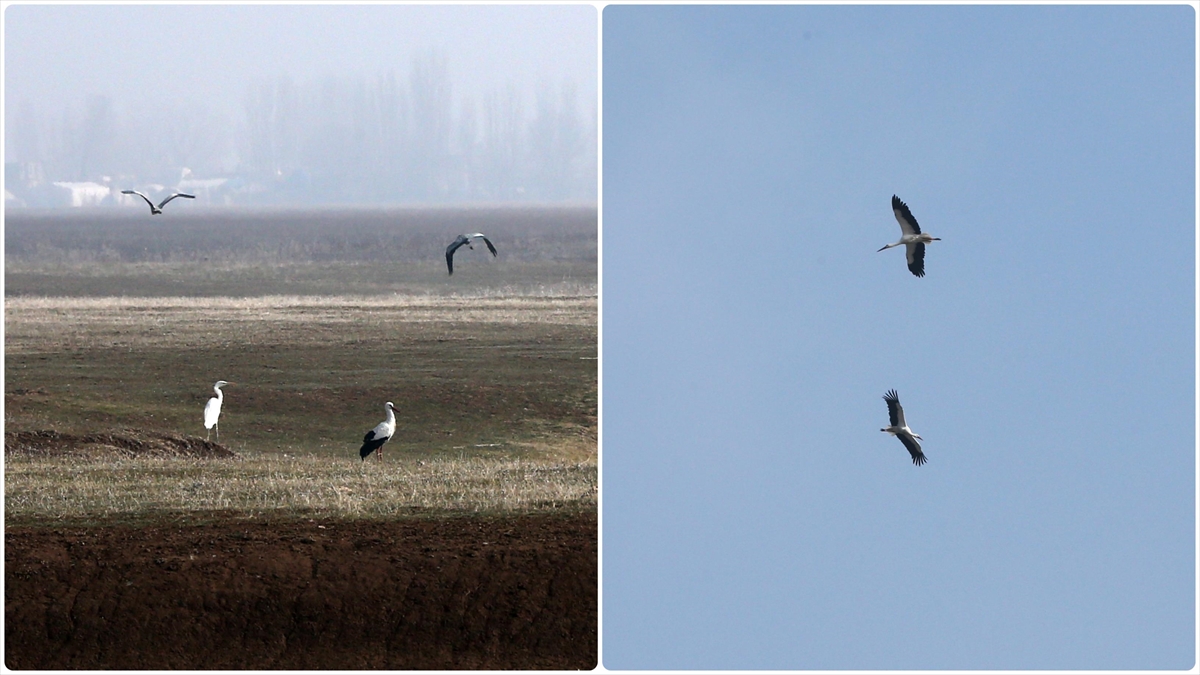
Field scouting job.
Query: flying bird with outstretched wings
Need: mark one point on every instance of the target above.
(155, 210)
(899, 428)
(912, 238)
(465, 239)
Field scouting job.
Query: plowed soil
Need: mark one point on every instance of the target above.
(502, 592)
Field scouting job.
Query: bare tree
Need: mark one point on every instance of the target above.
(272, 126)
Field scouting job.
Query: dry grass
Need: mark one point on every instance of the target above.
(54, 323)
(498, 396)
(59, 490)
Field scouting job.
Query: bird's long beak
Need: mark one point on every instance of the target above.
(882, 249)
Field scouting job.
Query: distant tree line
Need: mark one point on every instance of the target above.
(340, 139)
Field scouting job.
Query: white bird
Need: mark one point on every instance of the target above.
(212, 410)
(376, 437)
(465, 239)
(900, 430)
(155, 210)
(913, 239)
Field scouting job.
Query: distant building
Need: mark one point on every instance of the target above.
(207, 190)
(84, 194)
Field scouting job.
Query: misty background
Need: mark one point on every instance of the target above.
(300, 105)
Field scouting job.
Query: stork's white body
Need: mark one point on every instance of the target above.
(212, 410)
(381, 434)
(911, 238)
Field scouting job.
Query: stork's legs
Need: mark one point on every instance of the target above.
(207, 432)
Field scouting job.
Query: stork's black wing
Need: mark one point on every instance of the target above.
(916, 258)
(371, 444)
(489, 245)
(914, 448)
(177, 194)
(454, 246)
(135, 192)
(904, 216)
(895, 412)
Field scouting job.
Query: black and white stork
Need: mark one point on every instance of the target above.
(212, 411)
(913, 239)
(465, 239)
(900, 430)
(383, 431)
(155, 210)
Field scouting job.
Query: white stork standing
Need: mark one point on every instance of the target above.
(465, 239)
(155, 210)
(913, 239)
(212, 411)
(376, 437)
(900, 430)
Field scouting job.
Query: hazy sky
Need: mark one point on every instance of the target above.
(143, 55)
(353, 104)
(754, 515)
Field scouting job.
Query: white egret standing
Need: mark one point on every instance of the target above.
(376, 437)
(155, 210)
(912, 238)
(465, 239)
(212, 410)
(900, 429)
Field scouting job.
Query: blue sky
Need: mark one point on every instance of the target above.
(754, 515)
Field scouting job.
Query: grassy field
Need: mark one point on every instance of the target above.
(121, 327)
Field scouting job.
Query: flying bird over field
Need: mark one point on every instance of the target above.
(900, 430)
(155, 210)
(465, 239)
(913, 239)
(376, 437)
(212, 411)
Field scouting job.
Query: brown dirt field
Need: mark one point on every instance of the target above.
(501, 592)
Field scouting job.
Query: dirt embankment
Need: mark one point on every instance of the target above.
(512, 592)
(127, 443)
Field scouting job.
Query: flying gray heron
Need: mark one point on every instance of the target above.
(155, 210)
(465, 239)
